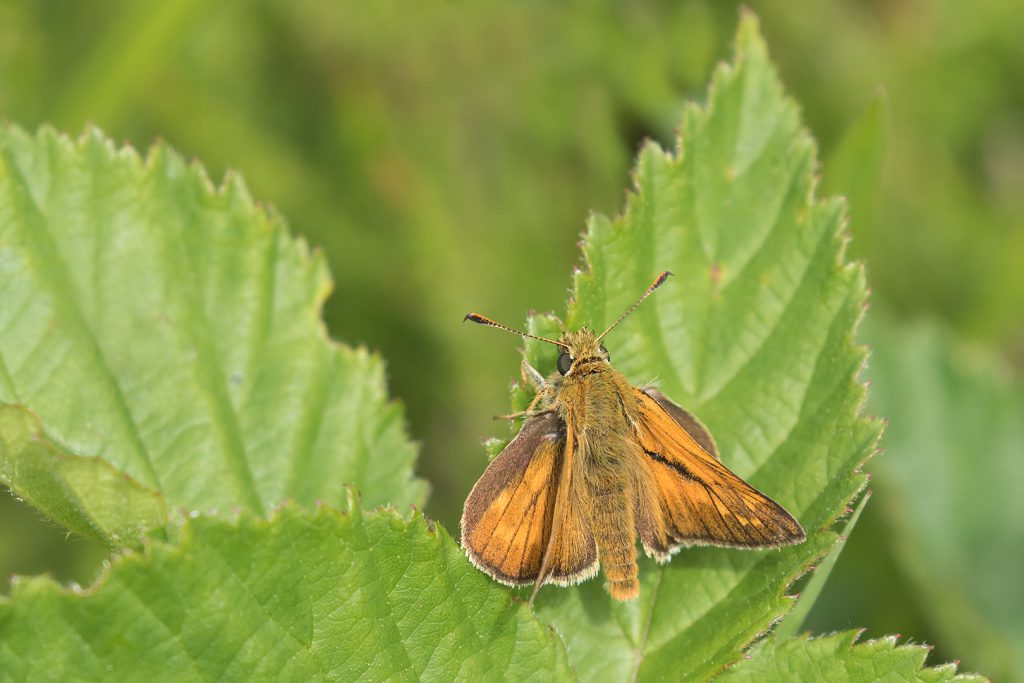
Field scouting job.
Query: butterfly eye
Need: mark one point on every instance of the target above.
(607, 356)
(564, 362)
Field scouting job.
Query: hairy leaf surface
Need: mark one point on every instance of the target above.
(839, 657)
(301, 596)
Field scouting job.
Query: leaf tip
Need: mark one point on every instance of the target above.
(748, 34)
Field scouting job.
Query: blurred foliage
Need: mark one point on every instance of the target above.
(947, 518)
(446, 158)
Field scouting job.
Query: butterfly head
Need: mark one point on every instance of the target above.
(581, 347)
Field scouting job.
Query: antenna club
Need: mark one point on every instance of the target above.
(477, 318)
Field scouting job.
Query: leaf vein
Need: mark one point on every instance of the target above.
(54, 273)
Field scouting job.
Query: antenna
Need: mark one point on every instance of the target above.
(650, 290)
(481, 320)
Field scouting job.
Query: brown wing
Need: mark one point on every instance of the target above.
(686, 496)
(508, 516)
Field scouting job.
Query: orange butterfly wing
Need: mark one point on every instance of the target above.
(687, 420)
(509, 514)
(686, 496)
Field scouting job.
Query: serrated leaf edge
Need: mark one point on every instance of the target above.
(748, 34)
(233, 187)
(851, 640)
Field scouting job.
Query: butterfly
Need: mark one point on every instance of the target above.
(597, 463)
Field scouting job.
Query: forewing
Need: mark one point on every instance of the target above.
(507, 519)
(686, 496)
(572, 556)
(687, 420)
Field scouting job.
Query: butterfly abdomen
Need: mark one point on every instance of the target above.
(616, 538)
(606, 465)
(612, 523)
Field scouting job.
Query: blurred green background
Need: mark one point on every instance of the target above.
(445, 157)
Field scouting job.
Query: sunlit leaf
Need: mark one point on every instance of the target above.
(838, 657)
(172, 329)
(300, 596)
(755, 334)
(794, 621)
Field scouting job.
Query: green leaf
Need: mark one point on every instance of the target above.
(172, 329)
(85, 495)
(949, 488)
(838, 657)
(791, 624)
(755, 334)
(301, 596)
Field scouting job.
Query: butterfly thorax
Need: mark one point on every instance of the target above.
(592, 395)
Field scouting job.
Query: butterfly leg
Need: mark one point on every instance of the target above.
(531, 377)
(529, 412)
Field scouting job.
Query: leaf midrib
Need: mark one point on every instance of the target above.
(53, 272)
(213, 382)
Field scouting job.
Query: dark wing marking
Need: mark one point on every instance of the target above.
(686, 420)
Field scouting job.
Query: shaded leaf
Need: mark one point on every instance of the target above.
(300, 596)
(85, 495)
(794, 621)
(838, 657)
(172, 329)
